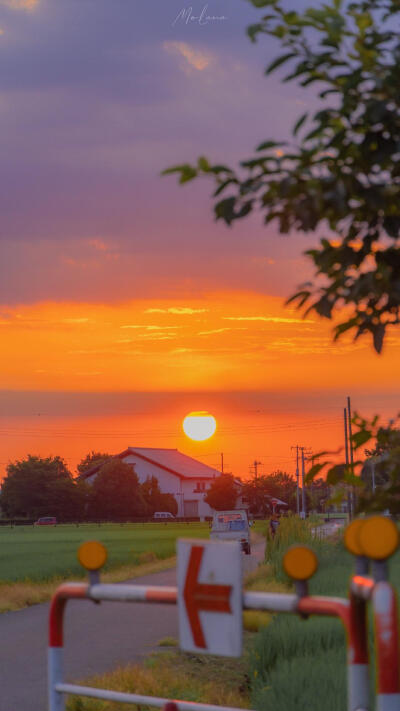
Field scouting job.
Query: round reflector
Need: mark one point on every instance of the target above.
(300, 562)
(379, 537)
(92, 555)
(352, 536)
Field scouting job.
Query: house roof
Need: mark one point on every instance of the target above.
(170, 460)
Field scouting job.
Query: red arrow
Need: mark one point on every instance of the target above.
(198, 596)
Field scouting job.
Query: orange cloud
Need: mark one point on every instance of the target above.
(53, 346)
(179, 310)
(20, 4)
(268, 319)
(194, 59)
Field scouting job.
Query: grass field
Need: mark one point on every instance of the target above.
(40, 553)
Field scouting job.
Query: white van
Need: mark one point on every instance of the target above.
(232, 526)
(163, 516)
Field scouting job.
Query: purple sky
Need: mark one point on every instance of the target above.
(97, 97)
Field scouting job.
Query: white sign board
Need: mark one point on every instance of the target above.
(210, 597)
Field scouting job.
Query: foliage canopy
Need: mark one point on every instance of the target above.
(222, 494)
(341, 174)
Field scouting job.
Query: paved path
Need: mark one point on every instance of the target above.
(97, 638)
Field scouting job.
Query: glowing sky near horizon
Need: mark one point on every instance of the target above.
(115, 280)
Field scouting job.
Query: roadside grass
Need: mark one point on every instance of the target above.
(15, 596)
(293, 659)
(175, 675)
(168, 642)
(34, 561)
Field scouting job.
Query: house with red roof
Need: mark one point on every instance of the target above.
(177, 473)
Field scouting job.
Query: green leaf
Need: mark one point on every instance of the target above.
(299, 123)
(203, 164)
(360, 438)
(315, 469)
(187, 172)
(336, 474)
(279, 61)
(224, 210)
(269, 144)
(253, 31)
(363, 21)
(378, 335)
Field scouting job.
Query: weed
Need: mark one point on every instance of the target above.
(175, 675)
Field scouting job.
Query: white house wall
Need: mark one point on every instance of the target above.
(168, 483)
(182, 489)
(190, 492)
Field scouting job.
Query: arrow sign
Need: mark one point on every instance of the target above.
(199, 596)
(209, 597)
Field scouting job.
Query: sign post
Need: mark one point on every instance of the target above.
(210, 597)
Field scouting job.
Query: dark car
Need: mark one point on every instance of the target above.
(46, 521)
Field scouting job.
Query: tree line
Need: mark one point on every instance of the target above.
(258, 493)
(36, 486)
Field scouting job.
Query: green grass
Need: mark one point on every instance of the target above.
(293, 660)
(42, 553)
(174, 675)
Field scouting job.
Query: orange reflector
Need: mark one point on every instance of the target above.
(379, 537)
(352, 536)
(92, 555)
(300, 562)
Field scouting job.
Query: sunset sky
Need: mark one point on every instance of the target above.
(123, 305)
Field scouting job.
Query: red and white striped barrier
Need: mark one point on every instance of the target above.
(300, 563)
(349, 613)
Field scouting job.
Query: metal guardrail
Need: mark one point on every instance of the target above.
(300, 563)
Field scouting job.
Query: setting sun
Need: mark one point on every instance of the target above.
(199, 426)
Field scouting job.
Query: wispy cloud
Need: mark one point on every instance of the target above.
(267, 319)
(98, 244)
(178, 310)
(150, 328)
(20, 4)
(194, 59)
(215, 330)
(177, 351)
(75, 320)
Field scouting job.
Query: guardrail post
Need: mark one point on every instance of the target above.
(357, 656)
(55, 672)
(56, 641)
(55, 654)
(387, 647)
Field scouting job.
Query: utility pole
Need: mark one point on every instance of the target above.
(352, 492)
(373, 474)
(255, 465)
(297, 479)
(303, 492)
(346, 444)
(222, 462)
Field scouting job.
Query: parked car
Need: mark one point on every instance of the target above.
(163, 516)
(232, 526)
(46, 521)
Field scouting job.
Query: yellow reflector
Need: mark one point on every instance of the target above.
(300, 562)
(92, 555)
(352, 536)
(378, 537)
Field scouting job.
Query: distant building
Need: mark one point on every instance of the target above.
(184, 477)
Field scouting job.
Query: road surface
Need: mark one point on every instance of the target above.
(97, 639)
